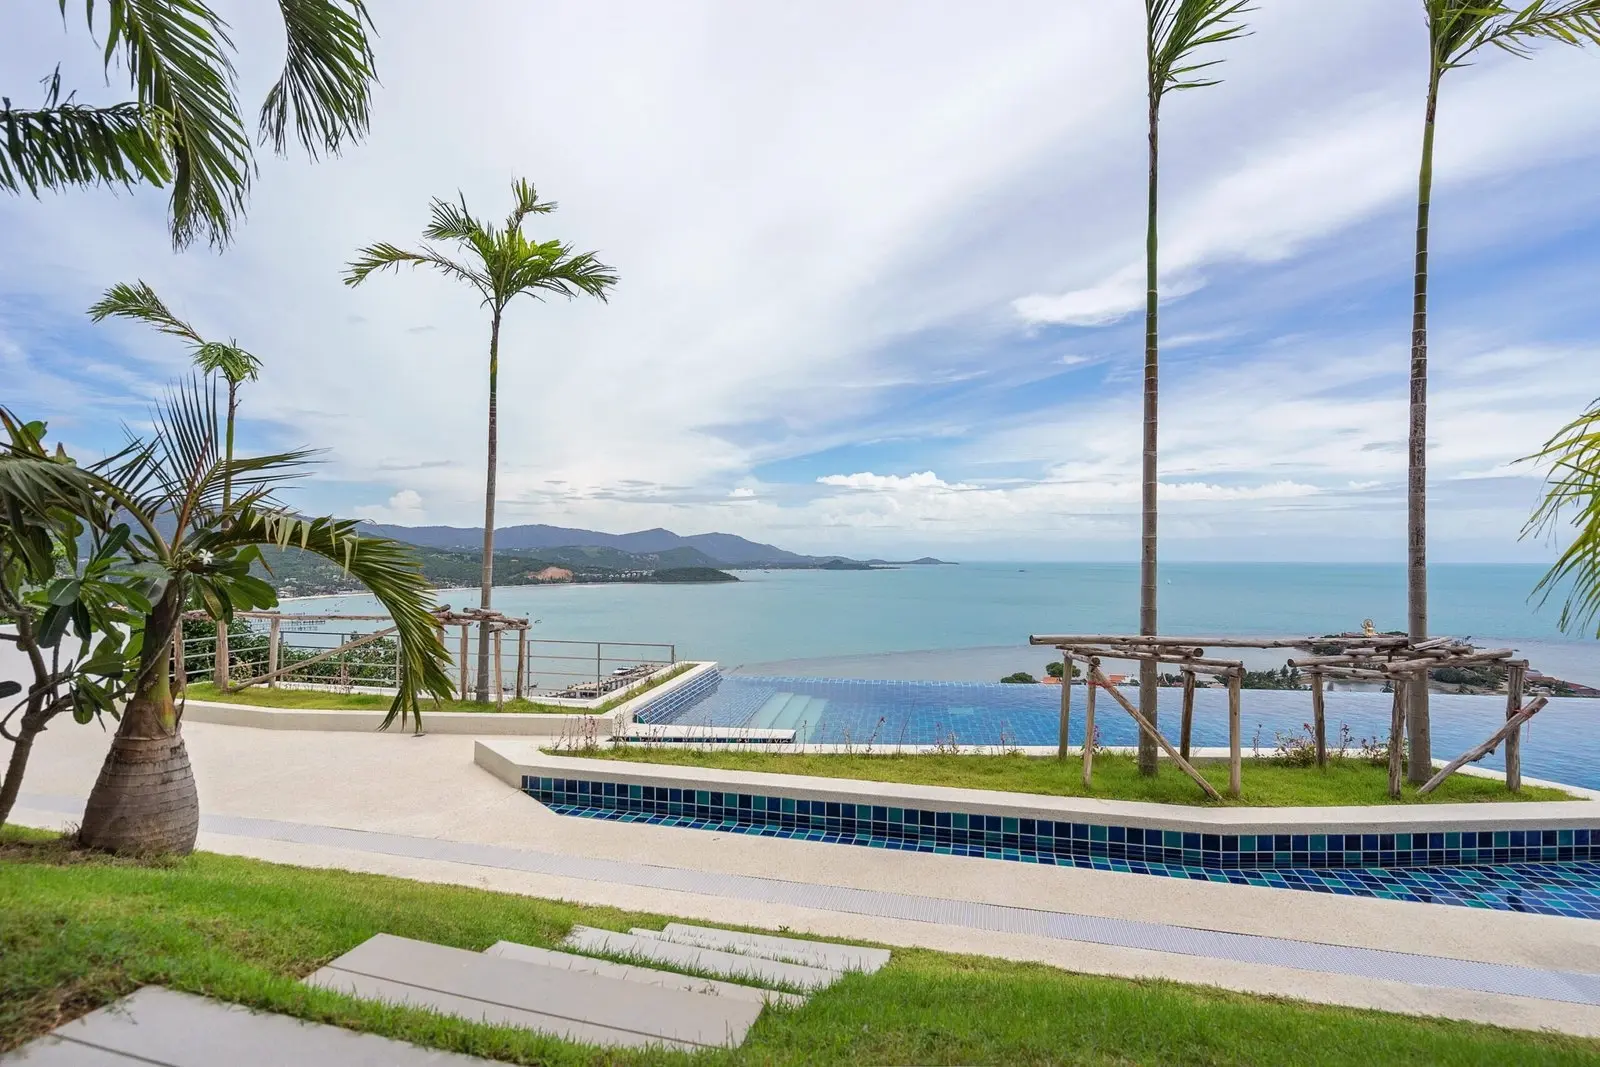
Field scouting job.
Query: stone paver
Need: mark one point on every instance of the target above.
(630, 973)
(169, 1029)
(571, 1004)
(724, 964)
(834, 957)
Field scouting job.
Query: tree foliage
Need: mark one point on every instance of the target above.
(1572, 499)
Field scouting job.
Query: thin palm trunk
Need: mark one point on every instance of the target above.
(1420, 766)
(1149, 694)
(220, 672)
(145, 800)
(484, 597)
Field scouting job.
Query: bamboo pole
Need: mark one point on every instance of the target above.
(1088, 726)
(1187, 729)
(1319, 719)
(461, 663)
(1514, 684)
(499, 676)
(1235, 783)
(1472, 755)
(522, 662)
(1397, 718)
(274, 635)
(1066, 706)
(1186, 641)
(1099, 679)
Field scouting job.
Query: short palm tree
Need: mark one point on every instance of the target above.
(1573, 489)
(184, 128)
(1457, 29)
(1175, 30)
(236, 366)
(182, 544)
(500, 263)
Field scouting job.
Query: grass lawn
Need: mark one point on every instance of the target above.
(324, 700)
(1116, 776)
(79, 931)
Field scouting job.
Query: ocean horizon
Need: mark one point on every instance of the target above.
(971, 621)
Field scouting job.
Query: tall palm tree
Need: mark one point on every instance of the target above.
(1175, 30)
(1457, 29)
(501, 264)
(180, 542)
(1573, 487)
(184, 126)
(236, 366)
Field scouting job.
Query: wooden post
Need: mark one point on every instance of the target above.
(1514, 684)
(1066, 706)
(499, 677)
(273, 630)
(461, 663)
(522, 662)
(1187, 728)
(1319, 719)
(1088, 725)
(1472, 755)
(1397, 718)
(1149, 728)
(1234, 782)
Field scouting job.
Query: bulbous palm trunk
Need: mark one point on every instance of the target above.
(144, 800)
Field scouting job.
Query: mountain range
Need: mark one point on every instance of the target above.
(715, 549)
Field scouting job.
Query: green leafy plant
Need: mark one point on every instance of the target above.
(1020, 678)
(184, 127)
(1572, 498)
(500, 263)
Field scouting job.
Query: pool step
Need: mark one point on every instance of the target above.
(560, 1000)
(628, 972)
(730, 965)
(824, 954)
(768, 713)
(800, 710)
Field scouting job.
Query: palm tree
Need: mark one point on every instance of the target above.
(184, 127)
(501, 264)
(181, 543)
(140, 303)
(1573, 485)
(1457, 29)
(1175, 30)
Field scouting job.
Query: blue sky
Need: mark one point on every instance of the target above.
(881, 274)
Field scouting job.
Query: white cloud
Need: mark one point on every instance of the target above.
(891, 482)
(404, 507)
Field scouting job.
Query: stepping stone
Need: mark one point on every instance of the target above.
(825, 954)
(723, 964)
(158, 1026)
(630, 973)
(553, 1000)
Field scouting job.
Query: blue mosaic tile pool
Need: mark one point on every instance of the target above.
(1560, 744)
(1550, 872)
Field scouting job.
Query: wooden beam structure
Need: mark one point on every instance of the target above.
(1089, 739)
(1066, 706)
(1477, 753)
(1099, 678)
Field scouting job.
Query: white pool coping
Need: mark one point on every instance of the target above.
(476, 723)
(510, 761)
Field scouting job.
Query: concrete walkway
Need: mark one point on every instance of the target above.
(419, 808)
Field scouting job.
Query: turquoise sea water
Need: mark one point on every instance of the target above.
(979, 614)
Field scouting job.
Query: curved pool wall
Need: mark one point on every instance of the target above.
(1562, 744)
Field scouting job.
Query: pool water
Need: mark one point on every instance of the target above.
(1561, 744)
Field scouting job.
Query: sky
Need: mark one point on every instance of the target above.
(881, 278)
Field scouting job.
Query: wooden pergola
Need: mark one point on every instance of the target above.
(1391, 659)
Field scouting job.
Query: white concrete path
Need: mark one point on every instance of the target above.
(428, 789)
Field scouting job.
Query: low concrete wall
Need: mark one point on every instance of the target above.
(512, 724)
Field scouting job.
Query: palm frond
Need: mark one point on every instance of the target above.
(527, 202)
(177, 57)
(1459, 28)
(451, 222)
(1176, 30)
(389, 569)
(1572, 499)
(327, 79)
(62, 143)
(384, 256)
(140, 303)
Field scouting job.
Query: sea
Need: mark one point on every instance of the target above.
(971, 621)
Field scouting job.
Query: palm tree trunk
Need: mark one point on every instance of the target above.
(220, 672)
(1148, 678)
(482, 692)
(1420, 766)
(144, 800)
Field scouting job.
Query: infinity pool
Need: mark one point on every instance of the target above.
(1562, 743)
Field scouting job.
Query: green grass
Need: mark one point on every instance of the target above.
(258, 696)
(80, 931)
(1266, 783)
